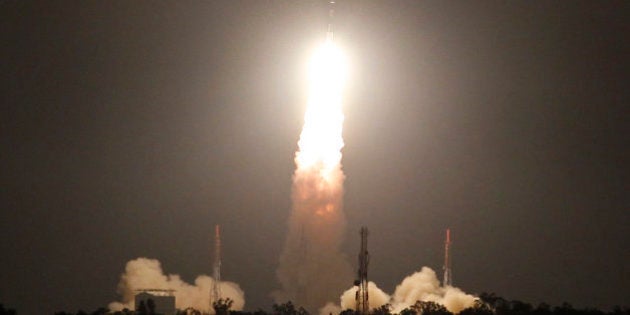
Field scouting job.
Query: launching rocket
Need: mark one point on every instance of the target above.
(331, 16)
(312, 268)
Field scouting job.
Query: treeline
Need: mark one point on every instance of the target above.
(487, 304)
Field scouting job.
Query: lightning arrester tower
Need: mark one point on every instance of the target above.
(363, 306)
(215, 294)
(448, 280)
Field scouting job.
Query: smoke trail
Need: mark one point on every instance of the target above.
(311, 267)
(145, 273)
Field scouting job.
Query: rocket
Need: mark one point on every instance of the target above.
(331, 15)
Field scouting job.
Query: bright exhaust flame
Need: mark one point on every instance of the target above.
(312, 270)
(321, 142)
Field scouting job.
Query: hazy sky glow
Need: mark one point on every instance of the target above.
(130, 128)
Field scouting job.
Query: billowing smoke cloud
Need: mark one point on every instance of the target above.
(425, 286)
(145, 273)
(377, 298)
(312, 268)
(420, 286)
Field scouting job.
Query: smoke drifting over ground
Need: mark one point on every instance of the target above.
(312, 269)
(145, 273)
(420, 286)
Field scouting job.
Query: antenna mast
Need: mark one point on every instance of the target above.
(215, 294)
(447, 281)
(363, 306)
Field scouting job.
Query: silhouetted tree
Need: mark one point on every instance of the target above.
(348, 311)
(125, 311)
(190, 311)
(99, 311)
(542, 309)
(592, 311)
(382, 310)
(497, 304)
(407, 311)
(288, 309)
(256, 312)
(492, 300)
(479, 308)
(520, 308)
(487, 304)
(4, 311)
(430, 308)
(222, 306)
(564, 309)
(7, 311)
(617, 310)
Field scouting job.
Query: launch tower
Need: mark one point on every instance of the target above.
(447, 281)
(215, 294)
(363, 306)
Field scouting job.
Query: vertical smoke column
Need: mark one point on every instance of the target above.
(312, 270)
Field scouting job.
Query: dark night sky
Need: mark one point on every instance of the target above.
(130, 128)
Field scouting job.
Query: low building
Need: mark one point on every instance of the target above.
(161, 301)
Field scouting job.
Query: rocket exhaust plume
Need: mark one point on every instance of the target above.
(312, 270)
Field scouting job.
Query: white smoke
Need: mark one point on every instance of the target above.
(425, 286)
(422, 285)
(377, 297)
(145, 273)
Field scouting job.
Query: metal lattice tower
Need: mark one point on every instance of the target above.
(448, 280)
(215, 294)
(363, 306)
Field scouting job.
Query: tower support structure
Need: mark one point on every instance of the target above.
(215, 293)
(448, 276)
(362, 298)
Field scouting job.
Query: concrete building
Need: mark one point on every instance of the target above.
(163, 300)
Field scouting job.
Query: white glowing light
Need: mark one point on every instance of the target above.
(321, 139)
